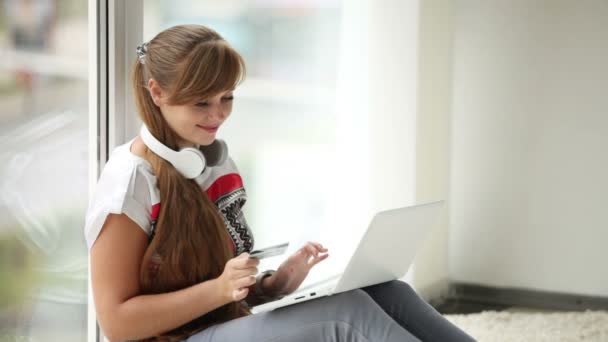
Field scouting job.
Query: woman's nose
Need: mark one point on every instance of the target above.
(218, 112)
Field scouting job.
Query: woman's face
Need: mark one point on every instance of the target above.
(196, 123)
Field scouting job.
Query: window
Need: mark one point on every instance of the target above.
(301, 131)
(44, 154)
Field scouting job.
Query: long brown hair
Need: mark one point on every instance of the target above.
(189, 62)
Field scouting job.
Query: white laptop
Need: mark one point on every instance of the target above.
(385, 253)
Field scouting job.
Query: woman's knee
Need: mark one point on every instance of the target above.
(357, 298)
(347, 304)
(393, 286)
(395, 291)
(400, 286)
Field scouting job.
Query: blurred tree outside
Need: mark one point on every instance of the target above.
(44, 173)
(16, 280)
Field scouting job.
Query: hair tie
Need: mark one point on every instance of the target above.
(142, 51)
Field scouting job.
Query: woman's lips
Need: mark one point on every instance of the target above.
(210, 129)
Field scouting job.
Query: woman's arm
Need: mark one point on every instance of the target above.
(116, 258)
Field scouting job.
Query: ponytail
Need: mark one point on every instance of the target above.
(191, 243)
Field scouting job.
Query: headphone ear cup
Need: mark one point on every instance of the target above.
(216, 153)
(190, 162)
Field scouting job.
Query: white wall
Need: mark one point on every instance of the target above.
(393, 48)
(393, 66)
(432, 138)
(529, 140)
(376, 120)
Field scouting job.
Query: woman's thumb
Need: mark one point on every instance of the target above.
(240, 293)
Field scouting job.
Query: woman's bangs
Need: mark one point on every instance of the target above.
(208, 71)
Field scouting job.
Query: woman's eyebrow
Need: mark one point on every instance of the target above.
(223, 93)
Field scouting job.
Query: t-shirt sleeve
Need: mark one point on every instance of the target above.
(119, 191)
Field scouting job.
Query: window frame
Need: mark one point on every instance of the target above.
(115, 30)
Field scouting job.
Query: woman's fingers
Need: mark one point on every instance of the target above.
(245, 281)
(239, 273)
(317, 260)
(314, 250)
(240, 294)
(246, 261)
(311, 250)
(319, 247)
(318, 257)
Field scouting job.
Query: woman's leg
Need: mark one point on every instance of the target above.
(350, 317)
(403, 304)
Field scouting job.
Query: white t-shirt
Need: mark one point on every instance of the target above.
(127, 185)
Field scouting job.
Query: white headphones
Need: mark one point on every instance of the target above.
(189, 161)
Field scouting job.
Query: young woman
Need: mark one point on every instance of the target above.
(168, 241)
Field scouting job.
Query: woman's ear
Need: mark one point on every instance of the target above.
(155, 91)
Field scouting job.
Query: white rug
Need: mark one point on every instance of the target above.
(509, 326)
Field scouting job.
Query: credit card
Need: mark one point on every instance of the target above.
(269, 251)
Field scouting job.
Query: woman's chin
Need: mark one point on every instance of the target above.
(206, 142)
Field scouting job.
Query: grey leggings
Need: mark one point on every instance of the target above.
(390, 312)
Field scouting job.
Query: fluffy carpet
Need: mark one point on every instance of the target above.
(508, 326)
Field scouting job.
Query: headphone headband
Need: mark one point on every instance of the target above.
(155, 145)
(188, 161)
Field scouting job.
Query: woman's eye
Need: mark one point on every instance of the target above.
(205, 104)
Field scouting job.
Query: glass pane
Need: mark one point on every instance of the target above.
(44, 170)
(282, 132)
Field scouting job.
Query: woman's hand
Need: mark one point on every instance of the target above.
(294, 270)
(239, 273)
